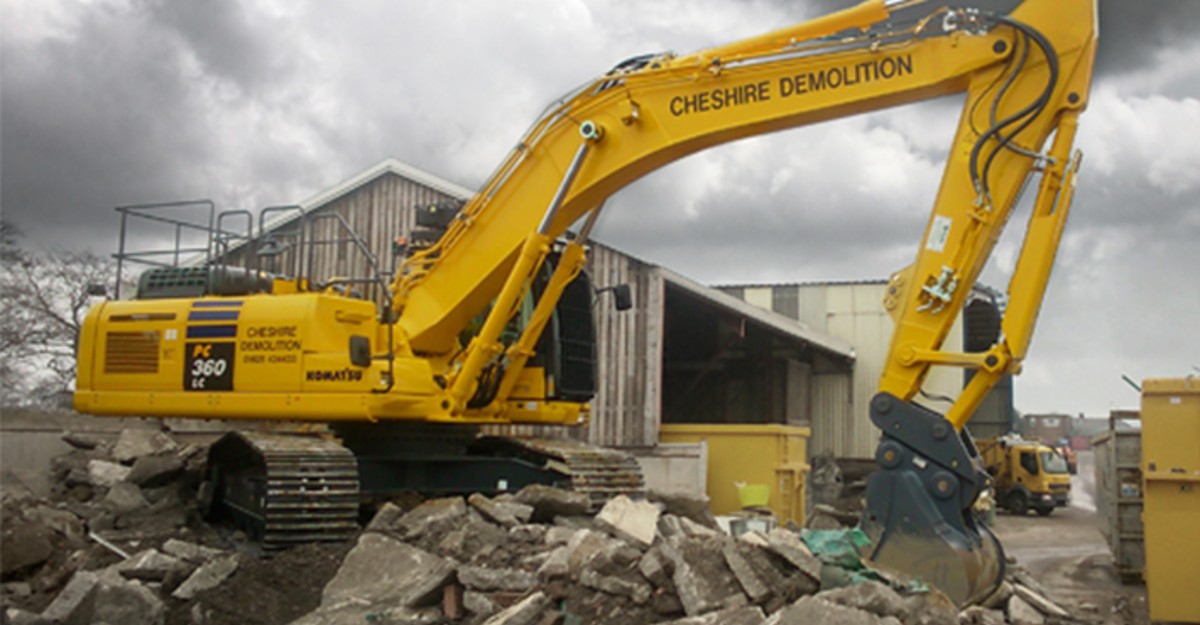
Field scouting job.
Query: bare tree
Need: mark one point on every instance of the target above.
(43, 301)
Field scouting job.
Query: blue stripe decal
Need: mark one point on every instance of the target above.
(212, 332)
(213, 315)
(208, 303)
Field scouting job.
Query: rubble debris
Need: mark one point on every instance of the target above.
(506, 513)
(381, 570)
(1021, 613)
(154, 471)
(635, 521)
(750, 615)
(191, 552)
(702, 579)
(549, 502)
(106, 474)
(80, 441)
(25, 544)
(480, 578)
(124, 497)
(686, 504)
(813, 609)
(525, 612)
(978, 615)
(115, 600)
(135, 443)
(209, 575)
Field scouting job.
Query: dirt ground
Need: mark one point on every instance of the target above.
(1067, 554)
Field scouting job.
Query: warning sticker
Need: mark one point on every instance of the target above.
(939, 233)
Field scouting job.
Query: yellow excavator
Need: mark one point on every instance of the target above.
(444, 352)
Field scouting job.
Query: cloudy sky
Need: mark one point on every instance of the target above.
(260, 102)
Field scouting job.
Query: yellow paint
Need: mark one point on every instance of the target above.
(770, 455)
(1171, 504)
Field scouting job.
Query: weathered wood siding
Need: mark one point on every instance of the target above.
(379, 211)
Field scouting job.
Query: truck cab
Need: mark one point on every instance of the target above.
(1027, 475)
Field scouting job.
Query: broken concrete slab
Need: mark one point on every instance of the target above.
(556, 535)
(808, 610)
(473, 540)
(382, 570)
(737, 557)
(481, 578)
(154, 471)
(25, 544)
(77, 440)
(549, 502)
(191, 552)
(430, 515)
(624, 585)
(106, 474)
(635, 521)
(349, 613)
(787, 545)
(556, 566)
(978, 615)
(525, 612)
(71, 605)
(748, 615)
(209, 575)
(528, 533)
(506, 513)
(126, 603)
(385, 518)
(702, 578)
(657, 567)
(26, 483)
(124, 497)
(150, 565)
(1021, 613)
(478, 603)
(135, 443)
(869, 596)
(690, 505)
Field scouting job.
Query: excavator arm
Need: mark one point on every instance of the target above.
(1026, 76)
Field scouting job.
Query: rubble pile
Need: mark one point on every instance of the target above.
(114, 536)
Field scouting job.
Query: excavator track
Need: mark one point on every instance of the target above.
(286, 489)
(598, 472)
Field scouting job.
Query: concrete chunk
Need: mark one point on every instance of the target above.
(506, 513)
(1021, 613)
(190, 551)
(106, 474)
(124, 497)
(869, 596)
(788, 546)
(753, 584)
(480, 578)
(524, 612)
(556, 566)
(702, 579)
(978, 615)
(126, 603)
(381, 569)
(150, 565)
(134, 443)
(209, 575)
(657, 567)
(430, 515)
(635, 521)
(694, 506)
(478, 603)
(748, 615)
(814, 610)
(549, 502)
(155, 471)
(69, 606)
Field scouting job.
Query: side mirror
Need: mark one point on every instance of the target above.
(622, 297)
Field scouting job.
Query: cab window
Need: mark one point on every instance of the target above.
(1053, 462)
(1029, 462)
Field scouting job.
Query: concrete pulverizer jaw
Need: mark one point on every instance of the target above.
(919, 513)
